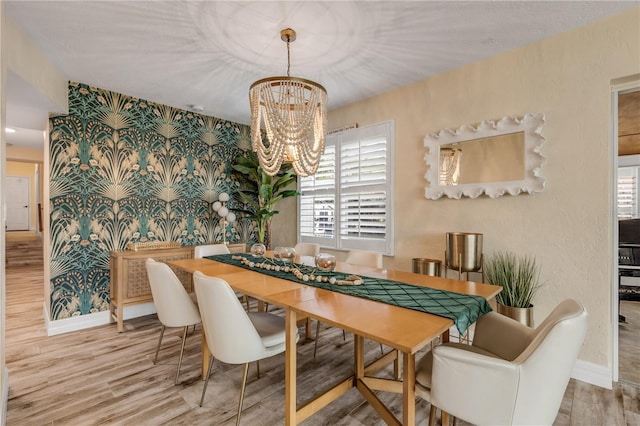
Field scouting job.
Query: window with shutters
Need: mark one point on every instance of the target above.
(627, 197)
(348, 203)
(627, 193)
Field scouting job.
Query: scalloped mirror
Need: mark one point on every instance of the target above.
(492, 158)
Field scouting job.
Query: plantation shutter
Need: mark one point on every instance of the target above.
(317, 202)
(348, 203)
(627, 192)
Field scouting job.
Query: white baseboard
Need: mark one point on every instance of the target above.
(5, 397)
(593, 374)
(82, 322)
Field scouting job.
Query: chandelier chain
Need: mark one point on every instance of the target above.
(288, 58)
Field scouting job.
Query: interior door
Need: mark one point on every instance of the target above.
(18, 203)
(627, 286)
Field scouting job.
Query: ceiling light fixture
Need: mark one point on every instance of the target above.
(295, 119)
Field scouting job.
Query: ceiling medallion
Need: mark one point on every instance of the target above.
(294, 113)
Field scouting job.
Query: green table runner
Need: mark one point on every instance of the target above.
(463, 309)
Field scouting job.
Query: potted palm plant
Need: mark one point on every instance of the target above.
(519, 277)
(262, 192)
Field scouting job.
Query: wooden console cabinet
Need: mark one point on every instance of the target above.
(129, 282)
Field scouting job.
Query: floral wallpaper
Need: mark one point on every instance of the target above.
(128, 170)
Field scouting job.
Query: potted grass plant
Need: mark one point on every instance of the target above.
(519, 277)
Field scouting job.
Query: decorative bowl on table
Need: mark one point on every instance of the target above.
(287, 254)
(325, 262)
(258, 250)
(277, 252)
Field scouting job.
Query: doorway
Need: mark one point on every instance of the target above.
(18, 203)
(626, 295)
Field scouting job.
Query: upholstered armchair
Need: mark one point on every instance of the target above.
(511, 374)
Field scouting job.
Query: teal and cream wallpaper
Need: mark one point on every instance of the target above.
(128, 170)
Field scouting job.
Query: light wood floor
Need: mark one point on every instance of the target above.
(100, 377)
(629, 342)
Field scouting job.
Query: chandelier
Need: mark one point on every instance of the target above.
(450, 166)
(294, 112)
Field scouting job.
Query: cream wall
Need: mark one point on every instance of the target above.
(569, 226)
(16, 153)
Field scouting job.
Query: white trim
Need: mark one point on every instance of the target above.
(628, 160)
(5, 397)
(82, 322)
(613, 150)
(616, 89)
(592, 374)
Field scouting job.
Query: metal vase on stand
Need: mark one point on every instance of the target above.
(522, 315)
(463, 252)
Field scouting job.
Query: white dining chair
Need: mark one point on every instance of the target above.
(211, 250)
(306, 253)
(307, 249)
(364, 258)
(174, 306)
(355, 257)
(233, 335)
(510, 374)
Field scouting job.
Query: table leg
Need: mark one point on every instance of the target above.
(358, 347)
(290, 369)
(408, 389)
(397, 367)
(445, 337)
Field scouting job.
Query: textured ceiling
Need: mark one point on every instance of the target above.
(208, 53)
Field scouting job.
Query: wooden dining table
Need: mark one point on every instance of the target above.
(405, 330)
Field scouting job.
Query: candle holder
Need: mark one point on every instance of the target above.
(227, 217)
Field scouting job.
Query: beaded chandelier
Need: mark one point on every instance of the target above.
(294, 113)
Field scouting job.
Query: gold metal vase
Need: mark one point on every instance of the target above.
(522, 315)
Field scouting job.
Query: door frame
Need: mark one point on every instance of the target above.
(616, 90)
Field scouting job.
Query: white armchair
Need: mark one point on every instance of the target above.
(511, 374)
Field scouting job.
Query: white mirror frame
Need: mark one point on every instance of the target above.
(530, 124)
